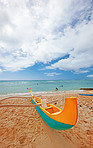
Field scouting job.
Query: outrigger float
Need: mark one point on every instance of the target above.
(55, 117)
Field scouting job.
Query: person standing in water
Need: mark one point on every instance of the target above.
(56, 89)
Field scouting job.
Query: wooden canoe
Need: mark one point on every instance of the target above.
(55, 117)
(86, 94)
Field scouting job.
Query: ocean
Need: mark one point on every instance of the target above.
(20, 86)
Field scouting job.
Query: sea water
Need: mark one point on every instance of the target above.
(20, 86)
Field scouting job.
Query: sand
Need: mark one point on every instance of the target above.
(24, 128)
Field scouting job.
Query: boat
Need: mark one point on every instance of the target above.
(55, 117)
(86, 94)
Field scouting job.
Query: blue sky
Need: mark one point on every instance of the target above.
(47, 40)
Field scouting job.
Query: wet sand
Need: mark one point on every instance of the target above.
(24, 128)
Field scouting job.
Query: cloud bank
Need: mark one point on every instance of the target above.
(90, 76)
(33, 31)
(52, 74)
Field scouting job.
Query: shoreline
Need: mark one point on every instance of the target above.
(44, 92)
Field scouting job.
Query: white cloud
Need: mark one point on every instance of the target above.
(82, 45)
(90, 76)
(34, 31)
(80, 71)
(52, 74)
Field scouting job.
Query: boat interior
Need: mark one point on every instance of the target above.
(50, 108)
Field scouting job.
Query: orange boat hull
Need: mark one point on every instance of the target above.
(55, 117)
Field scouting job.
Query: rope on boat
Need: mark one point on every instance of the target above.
(17, 97)
(19, 105)
(22, 105)
(52, 101)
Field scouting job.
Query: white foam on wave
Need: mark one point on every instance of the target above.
(39, 93)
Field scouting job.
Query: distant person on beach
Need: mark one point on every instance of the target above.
(61, 86)
(28, 88)
(56, 89)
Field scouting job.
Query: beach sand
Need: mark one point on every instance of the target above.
(24, 128)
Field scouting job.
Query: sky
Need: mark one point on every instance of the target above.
(46, 39)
